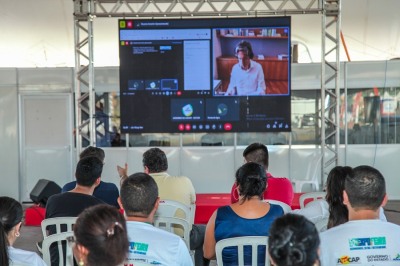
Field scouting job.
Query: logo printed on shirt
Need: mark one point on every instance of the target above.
(138, 248)
(397, 257)
(371, 258)
(348, 260)
(367, 243)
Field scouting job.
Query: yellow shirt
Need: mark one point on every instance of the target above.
(178, 188)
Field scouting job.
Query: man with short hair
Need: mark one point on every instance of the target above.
(72, 203)
(139, 198)
(178, 188)
(105, 191)
(364, 239)
(278, 188)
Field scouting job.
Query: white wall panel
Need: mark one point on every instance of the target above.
(9, 155)
(385, 158)
(210, 169)
(51, 164)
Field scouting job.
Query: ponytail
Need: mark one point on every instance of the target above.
(10, 215)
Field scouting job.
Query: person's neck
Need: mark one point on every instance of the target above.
(11, 240)
(148, 219)
(83, 189)
(254, 199)
(363, 214)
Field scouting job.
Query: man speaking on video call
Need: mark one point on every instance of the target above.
(247, 77)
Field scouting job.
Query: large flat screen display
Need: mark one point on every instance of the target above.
(205, 75)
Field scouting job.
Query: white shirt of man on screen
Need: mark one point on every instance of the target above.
(247, 76)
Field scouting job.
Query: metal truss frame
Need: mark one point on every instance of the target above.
(85, 11)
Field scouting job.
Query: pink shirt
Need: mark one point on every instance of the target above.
(279, 188)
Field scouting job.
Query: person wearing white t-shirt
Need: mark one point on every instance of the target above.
(247, 77)
(332, 206)
(11, 215)
(177, 188)
(364, 239)
(139, 199)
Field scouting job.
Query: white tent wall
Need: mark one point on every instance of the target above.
(210, 168)
(9, 155)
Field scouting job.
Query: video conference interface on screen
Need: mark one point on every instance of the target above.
(175, 75)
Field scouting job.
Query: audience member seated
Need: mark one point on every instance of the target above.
(178, 188)
(107, 192)
(278, 188)
(72, 203)
(100, 237)
(293, 241)
(11, 215)
(139, 198)
(332, 207)
(250, 216)
(364, 239)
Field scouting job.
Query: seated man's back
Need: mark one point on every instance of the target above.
(69, 204)
(105, 191)
(362, 242)
(178, 188)
(156, 246)
(364, 239)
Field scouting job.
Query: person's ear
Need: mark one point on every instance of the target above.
(18, 228)
(346, 199)
(384, 201)
(82, 253)
(146, 169)
(156, 204)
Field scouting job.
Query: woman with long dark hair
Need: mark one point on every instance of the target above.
(250, 216)
(11, 214)
(332, 206)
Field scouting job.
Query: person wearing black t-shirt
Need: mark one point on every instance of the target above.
(72, 203)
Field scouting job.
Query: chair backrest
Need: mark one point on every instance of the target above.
(286, 208)
(18, 264)
(59, 239)
(310, 196)
(172, 208)
(322, 225)
(240, 242)
(170, 224)
(57, 223)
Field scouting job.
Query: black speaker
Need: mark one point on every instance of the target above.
(43, 190)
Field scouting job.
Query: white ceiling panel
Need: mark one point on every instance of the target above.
(40, 33)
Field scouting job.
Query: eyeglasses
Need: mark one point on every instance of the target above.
(71, 240)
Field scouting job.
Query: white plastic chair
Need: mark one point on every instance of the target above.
(59, 239)
(240, 242)
(311, 195)
(286, 208)
(58, 222)
(312, 175)
(170, 224)
(322, 225)
(172, 208)
(18, 264)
